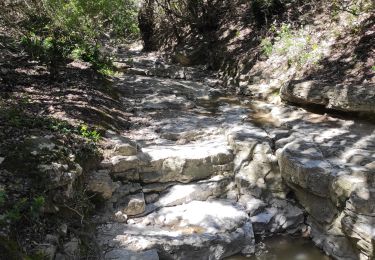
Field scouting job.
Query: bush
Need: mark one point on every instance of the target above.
(54, 30)
(355, 8)
(297, 45)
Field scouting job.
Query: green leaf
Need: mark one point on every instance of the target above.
(2, 197)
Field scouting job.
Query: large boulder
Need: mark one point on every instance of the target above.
(302, 163)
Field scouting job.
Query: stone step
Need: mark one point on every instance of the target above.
(186, 163)
(167, 71)
(200, 191)
(123, 254)
(173, 163)
(196, 230)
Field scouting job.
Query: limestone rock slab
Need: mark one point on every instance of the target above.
(358, 98)
(196, 230)
(123, 254)
(185, 163)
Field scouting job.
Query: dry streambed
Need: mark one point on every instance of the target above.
(201, 175)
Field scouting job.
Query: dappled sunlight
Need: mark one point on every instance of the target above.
(214, 222)
(196, 149)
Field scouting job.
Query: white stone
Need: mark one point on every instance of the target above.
(202, 230)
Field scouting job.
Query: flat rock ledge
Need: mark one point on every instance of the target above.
(196, 230)
(348, 98)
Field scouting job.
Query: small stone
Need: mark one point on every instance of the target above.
(120, 145)
(126, 149)
(135, 204)
(252, 205)
(53, 239)
(2, 159)
(124, 190)
(71, 248)
(124, 163)
(48, 251)
(121, 217)
(151, 197)
(63, 229)
(105, 164)
(121, 66)
(261, 220)
(232, 195)
(101, 183)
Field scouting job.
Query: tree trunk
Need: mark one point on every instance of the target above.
(146, 20)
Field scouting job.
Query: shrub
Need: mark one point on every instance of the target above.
(90, 134)
(54, 30)
(266, 46)
(297, 45)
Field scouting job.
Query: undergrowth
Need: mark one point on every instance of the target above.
(26, 194)
(298, 46)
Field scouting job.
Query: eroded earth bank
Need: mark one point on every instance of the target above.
(202, 173)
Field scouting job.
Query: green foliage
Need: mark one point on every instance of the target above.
(10, 249)
(267, 46)
(57, 29)
(22, 208)
(373, 68)
(60, 126)
(36, 205)
(103, 64)
(16, 116)
(355, 8)
(14, 212)
(64, 127)
(90, 134)
(297, 45)
(108, 71)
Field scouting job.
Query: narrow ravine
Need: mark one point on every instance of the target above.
(204, 175)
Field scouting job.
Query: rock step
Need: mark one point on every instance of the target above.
(180, 163)
(196, 230)
(123, 254)
(167, 71)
